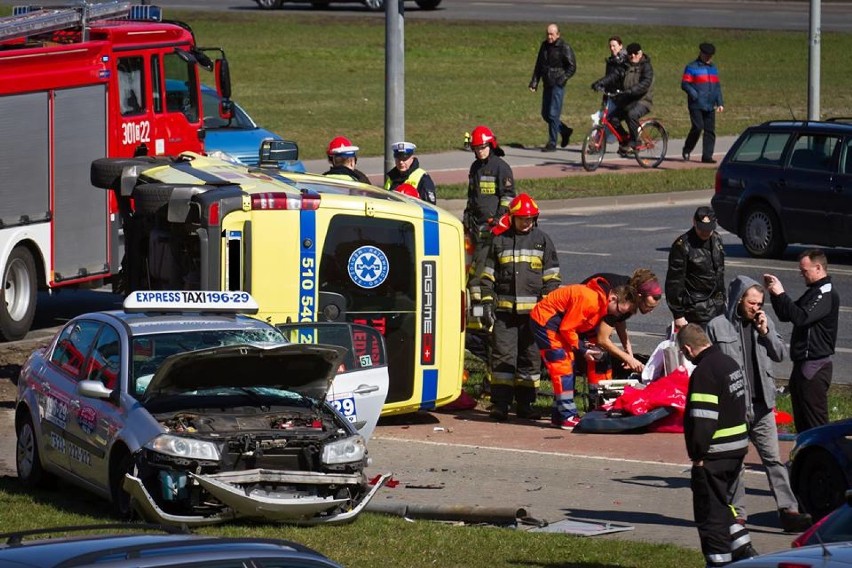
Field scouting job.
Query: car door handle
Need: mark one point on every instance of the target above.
(366, 389)
(837, 188)
(75, 404)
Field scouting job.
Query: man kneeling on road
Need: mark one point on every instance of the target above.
(716, 435)
(747, 334)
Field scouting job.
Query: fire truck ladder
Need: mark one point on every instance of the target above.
(32, 20)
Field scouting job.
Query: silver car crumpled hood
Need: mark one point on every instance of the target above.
(302, 368)
(290, 506)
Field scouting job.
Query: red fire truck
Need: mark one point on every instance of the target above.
(79, 83)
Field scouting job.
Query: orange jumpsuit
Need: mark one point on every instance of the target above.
(557, 322)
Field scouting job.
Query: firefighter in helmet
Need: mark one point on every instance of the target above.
(408, 171)
(520, 268)
(343, 156)
(490, 188)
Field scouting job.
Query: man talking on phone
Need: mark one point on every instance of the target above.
(747, 334)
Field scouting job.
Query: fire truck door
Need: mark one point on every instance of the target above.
(79, 209)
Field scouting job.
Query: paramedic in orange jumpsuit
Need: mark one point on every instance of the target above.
(557, 322)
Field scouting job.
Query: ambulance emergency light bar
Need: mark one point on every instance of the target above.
(195, 301)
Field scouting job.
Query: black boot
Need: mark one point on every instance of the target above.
(525, 398)
(501, 398)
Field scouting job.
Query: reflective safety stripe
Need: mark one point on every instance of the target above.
(732, 431)
(702, 413)
(740, 542)
(413, 178)
(528, 258)
(728, 446)
(719, 558)
(701, 397)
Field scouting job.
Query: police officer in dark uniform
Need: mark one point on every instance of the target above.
(716, 435)
(491, 186)
(695, 281)
(521, 267)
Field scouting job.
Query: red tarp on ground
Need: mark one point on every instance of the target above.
(668, 391)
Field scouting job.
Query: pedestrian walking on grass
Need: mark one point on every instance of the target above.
(716, 435)
(704, 100)
(554, 65)
(748, 335)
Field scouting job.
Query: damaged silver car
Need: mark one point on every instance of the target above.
(200, 417)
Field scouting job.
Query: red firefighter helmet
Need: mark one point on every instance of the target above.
(523, 206)
(341, 146)
(407, 189)
(483, 135)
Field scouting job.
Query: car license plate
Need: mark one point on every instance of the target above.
(346, 406)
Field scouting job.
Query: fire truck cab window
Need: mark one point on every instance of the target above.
(181, 87)
(130, 85)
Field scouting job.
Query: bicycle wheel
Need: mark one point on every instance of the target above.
(594, 148)
(653, 143)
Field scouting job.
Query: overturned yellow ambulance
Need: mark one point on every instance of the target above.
(309, 249)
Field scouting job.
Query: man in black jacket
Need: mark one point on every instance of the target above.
(695, 281)
(814, 316)
(554, 65)
(716, 435)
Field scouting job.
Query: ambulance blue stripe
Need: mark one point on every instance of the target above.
(431, 241)
(430, 389)
(307, 265)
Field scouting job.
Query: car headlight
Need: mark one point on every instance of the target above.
(187, 448)
(347, 450)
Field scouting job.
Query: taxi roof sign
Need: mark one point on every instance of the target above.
(204, 301)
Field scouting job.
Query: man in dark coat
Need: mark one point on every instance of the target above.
(554, 65)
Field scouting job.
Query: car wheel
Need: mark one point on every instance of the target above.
(375, 5)
(428, 4)
(121, 502)
(149, 198)
(105, 173)
(761, 233)
(269, 4)
(18, 304)
(27, 458)
(820, 484)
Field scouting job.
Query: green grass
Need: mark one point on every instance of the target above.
(601, 185)
(364, 543)
(311, 77)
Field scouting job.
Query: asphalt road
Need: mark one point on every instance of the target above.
(776, 15)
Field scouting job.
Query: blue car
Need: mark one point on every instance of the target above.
(240, 137)
(821, 467)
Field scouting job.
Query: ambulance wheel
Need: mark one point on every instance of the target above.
(105, 173)
(19, 295)
(149, 198)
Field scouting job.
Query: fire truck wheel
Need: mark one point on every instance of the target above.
(106, 172)
(19, 295)
(149, 198)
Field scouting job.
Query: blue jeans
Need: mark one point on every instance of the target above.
(551, 111)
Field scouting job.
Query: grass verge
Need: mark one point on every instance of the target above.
(366, 543)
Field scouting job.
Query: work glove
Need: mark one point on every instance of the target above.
(488, 315)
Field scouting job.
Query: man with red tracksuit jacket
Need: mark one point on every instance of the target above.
(557, 322)
(716, 435)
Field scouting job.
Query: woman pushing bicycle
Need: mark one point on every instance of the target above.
(634, 94)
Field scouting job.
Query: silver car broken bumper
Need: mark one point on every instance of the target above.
(297, 509)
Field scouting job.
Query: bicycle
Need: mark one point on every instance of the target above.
(650, 149)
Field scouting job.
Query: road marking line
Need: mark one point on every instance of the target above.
(607, 225)
(543, 453)
(649, 229)
(584, 253)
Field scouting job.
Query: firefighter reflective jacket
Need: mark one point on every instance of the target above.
(491, 186)
(714, 424)
(520, 269)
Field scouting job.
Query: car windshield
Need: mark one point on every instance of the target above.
(149, 351)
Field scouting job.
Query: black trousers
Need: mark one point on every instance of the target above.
(810, 396)
(721, 536)
(701, 120)
(630, 112)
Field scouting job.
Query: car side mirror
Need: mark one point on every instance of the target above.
(273, 152)
(93, 389)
